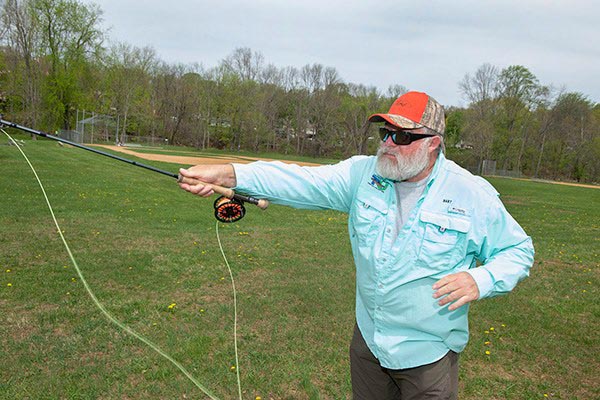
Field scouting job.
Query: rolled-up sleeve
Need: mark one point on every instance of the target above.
(506, 252)
(321, 187)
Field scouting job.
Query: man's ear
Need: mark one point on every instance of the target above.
(434, 143)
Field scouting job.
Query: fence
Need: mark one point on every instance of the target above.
(488, 167)
(94, 128)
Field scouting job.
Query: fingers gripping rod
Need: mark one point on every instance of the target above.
(227, 192)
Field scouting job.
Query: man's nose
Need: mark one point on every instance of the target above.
(389, 142)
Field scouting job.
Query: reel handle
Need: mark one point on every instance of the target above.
(227, 192)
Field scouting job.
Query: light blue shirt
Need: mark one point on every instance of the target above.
(458, 220)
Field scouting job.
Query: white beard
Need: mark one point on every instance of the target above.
(401, 168)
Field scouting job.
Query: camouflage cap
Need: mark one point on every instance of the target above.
(414, 110)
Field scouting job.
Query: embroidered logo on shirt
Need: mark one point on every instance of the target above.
(379, 182)
(457, 210)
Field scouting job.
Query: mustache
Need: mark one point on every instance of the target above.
(383, 151)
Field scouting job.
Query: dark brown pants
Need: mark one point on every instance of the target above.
(370, 381)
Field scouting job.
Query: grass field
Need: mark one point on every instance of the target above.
(144, 245)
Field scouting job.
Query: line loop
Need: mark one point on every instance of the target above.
(108, 315)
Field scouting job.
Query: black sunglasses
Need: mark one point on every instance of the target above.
(401, 137)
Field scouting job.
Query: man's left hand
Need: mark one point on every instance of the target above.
(459, 289)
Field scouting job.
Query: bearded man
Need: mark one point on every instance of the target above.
(418, 226)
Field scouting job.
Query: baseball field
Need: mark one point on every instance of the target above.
(150, 254)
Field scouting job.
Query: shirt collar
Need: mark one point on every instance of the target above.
(441, 160)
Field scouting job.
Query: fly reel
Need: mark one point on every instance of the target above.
(229, 210)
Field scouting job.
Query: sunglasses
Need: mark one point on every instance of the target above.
(402, 138)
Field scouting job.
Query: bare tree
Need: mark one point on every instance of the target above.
(395, 91)
(175, 97)
(480, 91)
(480, 87)
(244, 63)
(271, 75)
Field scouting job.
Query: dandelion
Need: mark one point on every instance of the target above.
(73, 280)
(172, 306)
(504, 326)
(492, 328)
(202, 310)
(487, 353)
(258, 398)
(487, 343)
(8, 270)
(487, 332)
(9, 284)
(232, 369)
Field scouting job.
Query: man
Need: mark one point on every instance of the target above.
(418, 224)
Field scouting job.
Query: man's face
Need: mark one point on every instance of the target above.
(402, 162)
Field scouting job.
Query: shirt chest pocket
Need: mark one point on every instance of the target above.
(444, 240)
(368, 219)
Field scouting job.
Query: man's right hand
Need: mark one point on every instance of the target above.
(220, 174)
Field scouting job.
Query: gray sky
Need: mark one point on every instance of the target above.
(423, 45)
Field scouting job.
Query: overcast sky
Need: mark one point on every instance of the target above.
(423, 45)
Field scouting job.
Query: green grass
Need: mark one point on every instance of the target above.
(143, 244)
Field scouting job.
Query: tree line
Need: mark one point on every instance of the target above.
(55, 59)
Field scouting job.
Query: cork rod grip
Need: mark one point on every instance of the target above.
(223, 191)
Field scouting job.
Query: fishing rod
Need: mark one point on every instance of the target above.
(229, 207)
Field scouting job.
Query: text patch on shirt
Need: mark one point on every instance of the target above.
(458, 210)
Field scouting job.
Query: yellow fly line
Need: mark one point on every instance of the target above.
(118, 323)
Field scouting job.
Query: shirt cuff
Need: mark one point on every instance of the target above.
(484, 281)
(240, 171)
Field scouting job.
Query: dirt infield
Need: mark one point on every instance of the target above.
(189, 160)
(553, 182)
